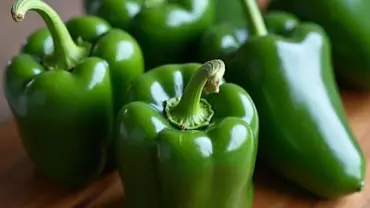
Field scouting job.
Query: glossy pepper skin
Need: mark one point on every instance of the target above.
(229, 12)
(346, 23)
(168, 32)
(164, 163)
(223, 40)
(115, 46)
(61, 94)
(304, 133)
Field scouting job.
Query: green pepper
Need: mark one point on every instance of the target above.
(229, 11)
(61, 93)
(346, 23)
(177, 147)
(167, 31)
(117, 47)
(222, 41)
(304, 132)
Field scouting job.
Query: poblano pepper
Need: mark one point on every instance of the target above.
(304, 132)
(167, 31)
(178, 148)
(60, 91)
(346, 23)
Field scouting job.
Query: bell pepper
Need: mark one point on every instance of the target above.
(177, 147)
(222, 41)
(166, 31)
(121, 51)
(347, 26)
(304, 132)
(229, 11)
(61, 92)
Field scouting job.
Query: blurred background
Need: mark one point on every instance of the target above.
(12, 35)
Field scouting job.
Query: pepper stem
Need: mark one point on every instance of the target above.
(190, 111)
(67, 54)
(254, 17)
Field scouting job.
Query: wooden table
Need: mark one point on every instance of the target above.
(21, 186)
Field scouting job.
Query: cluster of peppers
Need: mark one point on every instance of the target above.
(138, 86)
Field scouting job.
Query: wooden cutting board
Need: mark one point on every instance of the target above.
(21, 186)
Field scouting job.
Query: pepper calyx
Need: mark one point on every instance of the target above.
(190, 111)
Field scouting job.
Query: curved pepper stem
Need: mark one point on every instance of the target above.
(67, 53)
(254, 17)
(190, 111)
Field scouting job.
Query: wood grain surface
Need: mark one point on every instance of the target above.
(22, 186)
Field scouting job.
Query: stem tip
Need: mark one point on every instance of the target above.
(216, 70)
(67, 54)
(17, 16)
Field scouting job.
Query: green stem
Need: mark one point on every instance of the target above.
(67, 54)
(190, 111)
(254, 17)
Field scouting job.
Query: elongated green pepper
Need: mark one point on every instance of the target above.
(346, 23)
(61, 94)
(305, 135)
(177, 148)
